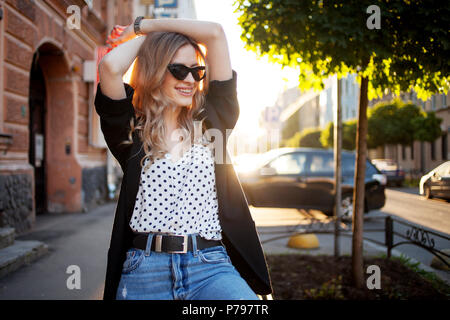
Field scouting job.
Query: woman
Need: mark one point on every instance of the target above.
(182, 228)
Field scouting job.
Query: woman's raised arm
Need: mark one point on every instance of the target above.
(210, 34)
(114, 65)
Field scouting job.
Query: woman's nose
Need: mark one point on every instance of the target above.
(189, 78)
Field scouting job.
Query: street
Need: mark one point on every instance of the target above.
(409, 206)
(82, 239)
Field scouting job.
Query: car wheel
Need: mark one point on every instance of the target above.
(347, 207)
(427, 191)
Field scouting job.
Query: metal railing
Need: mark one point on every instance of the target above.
(414, 234)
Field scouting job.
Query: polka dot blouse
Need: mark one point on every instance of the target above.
(179, 197)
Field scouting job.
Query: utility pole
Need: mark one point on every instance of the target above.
(337, 147)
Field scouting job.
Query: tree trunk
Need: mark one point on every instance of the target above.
(359, 189)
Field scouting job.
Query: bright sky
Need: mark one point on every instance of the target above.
(259, 82)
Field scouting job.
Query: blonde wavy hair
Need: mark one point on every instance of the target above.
(149, 71)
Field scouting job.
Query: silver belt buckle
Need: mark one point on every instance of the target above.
(185, 245)
(158, 244)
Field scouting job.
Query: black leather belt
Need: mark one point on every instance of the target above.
(172, 243)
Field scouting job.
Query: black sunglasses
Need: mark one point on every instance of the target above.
(180, 71)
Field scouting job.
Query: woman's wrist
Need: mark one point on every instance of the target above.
(145, 25)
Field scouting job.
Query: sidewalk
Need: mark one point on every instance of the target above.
(80, 239)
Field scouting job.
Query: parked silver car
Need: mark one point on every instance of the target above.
(436, 183)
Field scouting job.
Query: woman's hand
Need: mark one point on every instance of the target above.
(120, 34)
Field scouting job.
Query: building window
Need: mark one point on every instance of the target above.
(444, 100)
(433, 150)
(444, 149)
(433, 102)
(412, 151)
(403, 152)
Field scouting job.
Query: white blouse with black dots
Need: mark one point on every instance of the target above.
(179, 197)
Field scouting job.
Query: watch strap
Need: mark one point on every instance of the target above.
(137, 27)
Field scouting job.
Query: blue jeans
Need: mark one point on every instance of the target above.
(205, 274)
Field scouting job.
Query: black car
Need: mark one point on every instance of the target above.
(393, 171)
(436, 183)
(304, 178)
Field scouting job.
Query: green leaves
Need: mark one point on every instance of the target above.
(348, 135)
(397, 122)
(409, 51)
(308, 138)
(394, 122)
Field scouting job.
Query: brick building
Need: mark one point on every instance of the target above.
(52, 155)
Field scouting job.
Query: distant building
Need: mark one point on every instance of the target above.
(166, 8)
(312, 109)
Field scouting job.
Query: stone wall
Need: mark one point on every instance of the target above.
(94, 186)
(16, 202)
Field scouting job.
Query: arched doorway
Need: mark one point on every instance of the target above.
(37, 107)
(53, 132)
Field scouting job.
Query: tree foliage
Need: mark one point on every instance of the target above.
(428, 127)
(322, 38)
(399, 122)
(308, 138)
(394, 122)
(348, 135)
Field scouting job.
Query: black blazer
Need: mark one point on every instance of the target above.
(238, 228)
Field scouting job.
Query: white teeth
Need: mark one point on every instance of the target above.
(185, 90)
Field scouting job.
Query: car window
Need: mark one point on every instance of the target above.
(291, 163)
(321, 163)
(370, 169)
(348, 164)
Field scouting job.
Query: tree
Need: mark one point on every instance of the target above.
(398, 122)
(310, 138)
(348, 135)
(307, 138)
(395, 45)
(428, 127)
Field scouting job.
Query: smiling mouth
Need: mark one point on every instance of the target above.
(187, 92)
